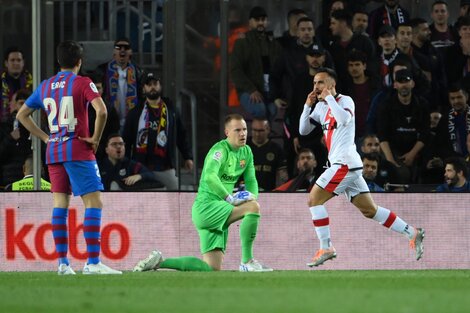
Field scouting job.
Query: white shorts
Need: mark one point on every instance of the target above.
(338, 179)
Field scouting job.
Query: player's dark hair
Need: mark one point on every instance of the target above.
(342, 15)
(305, 19)
(417, 21)
(305, 150)
(295, 12)
(455, 87)
(373, 156)
(328, 71)
(357, 55)
(438, 2)
(458, 164)
(111, 136)
(234, 116)
(11, 50)
(69, 53)
(360, 11)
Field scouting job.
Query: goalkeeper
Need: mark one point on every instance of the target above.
(215, 208)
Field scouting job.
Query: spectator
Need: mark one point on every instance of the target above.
(121, 77)
(236, 30)
(15, 142)
(252, 58)
(360, 21)
(269, 159)
(464, 8)
(14, 77)
(443, 34)
(458, 119)
(403, 126)
(119, 172)
(455, 176)
(289, 37)
(27, 182)
(323, 30)
(152, 132)
(456, 59)
(391, 13)
(387, 41)
(370, 162)
(429, 58)
(361, 87)
(292, 62)
(112, 123)
(436, 151)
(345, 42)
(293, 141)
(386, 172)
(306, 177)
(421, 87)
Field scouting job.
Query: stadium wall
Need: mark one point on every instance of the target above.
(136, 223)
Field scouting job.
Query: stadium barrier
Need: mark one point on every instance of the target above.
(136, 223)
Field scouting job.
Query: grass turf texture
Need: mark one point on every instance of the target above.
(280, 291)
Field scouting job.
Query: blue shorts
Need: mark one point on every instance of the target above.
(83, 176)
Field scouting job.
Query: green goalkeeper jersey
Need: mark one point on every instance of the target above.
(223, 167)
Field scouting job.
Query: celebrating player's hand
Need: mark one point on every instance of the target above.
(325, 92)
(311, 98)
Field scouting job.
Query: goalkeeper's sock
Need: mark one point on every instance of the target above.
(321, 221)
(248, 229)
(390, 220)
(91, 230)
(187, 264)
(60, 233)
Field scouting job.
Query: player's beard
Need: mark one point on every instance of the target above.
(153, 95)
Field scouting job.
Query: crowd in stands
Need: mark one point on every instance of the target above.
(409, 78)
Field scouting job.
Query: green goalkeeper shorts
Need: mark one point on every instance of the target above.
(210, 219)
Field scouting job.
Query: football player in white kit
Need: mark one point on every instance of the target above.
(335, 113)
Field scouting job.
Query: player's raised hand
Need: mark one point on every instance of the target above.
(311, 98)
(325, 92)
(91, 141)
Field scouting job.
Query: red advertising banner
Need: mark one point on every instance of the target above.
(136, 223)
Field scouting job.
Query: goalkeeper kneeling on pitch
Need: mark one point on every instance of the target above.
(215, 208)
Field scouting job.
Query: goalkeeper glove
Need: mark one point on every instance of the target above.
(240, 197)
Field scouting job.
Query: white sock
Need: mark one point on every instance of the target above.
(321, 222)
(390, 220)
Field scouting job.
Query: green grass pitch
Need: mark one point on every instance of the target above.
(280, 291)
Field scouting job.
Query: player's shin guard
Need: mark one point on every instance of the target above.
(248, 229)
(187, 264)
(91, 229)
(321, 221)
(60, 233)
(390, 220)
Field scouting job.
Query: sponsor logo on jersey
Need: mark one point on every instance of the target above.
(270, 156)
(229, 178)
(217, 155)
(242, 163)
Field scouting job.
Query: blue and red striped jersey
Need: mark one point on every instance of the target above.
(65, 98)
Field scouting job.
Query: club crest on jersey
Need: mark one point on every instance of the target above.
(242, 163)
(217, 155)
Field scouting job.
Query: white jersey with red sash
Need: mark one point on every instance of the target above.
(339, 137)
(65, 98)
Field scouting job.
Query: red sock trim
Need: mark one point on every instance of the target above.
(391, 218)
(321, 222)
